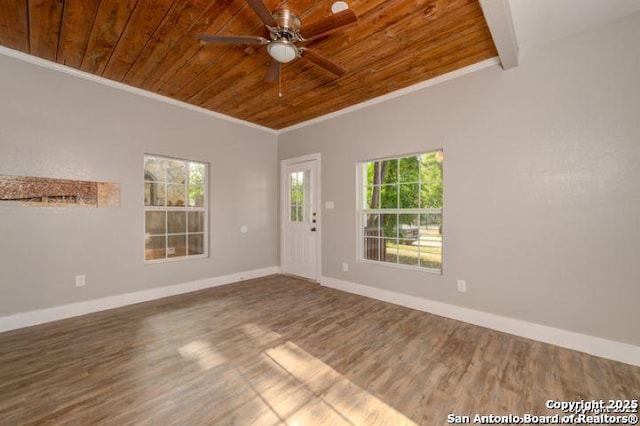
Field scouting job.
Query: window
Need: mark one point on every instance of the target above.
(298, 199)
(400, 213)
(175, 208)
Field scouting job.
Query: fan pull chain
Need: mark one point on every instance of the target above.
(279, 79)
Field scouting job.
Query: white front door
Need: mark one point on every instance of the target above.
(301, 219)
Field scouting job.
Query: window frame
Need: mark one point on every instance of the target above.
(361, 211)
(187, 209)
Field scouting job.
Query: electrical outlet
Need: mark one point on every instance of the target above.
(80, 280)
(345, 267)
(462, 286)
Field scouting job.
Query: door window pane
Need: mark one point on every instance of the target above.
(297, 196)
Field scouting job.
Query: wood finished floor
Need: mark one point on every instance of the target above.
(278, 350)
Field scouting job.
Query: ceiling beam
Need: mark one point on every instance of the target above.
(498, 16)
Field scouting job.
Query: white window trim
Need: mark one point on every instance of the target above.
(361, 211)
(187, 209)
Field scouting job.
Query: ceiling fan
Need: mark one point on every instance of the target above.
(285, 30)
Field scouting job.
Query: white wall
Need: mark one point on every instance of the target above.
(542, 184)
(57, 125)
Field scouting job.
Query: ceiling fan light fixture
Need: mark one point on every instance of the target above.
(282, 51)
(339, 6)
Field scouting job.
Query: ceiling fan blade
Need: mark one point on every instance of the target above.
(329, 25)
(263, 12)
(273, 71)
(233, 39)
(318, 59)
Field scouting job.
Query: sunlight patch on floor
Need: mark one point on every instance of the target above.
(337, 400)
(259, 335)
(203, 353)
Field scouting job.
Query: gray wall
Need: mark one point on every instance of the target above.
(57, 125)
(542, 184)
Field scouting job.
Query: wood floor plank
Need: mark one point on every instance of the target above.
(278, 350)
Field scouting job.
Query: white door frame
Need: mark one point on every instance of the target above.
(284, 208)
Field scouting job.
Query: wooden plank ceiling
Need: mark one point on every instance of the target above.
(153, 45)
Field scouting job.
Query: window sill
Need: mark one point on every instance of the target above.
(401, 266)
(176, 259)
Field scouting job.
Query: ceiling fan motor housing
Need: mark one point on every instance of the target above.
(287, 19)
(288, 26)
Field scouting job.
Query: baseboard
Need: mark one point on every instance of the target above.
(609, 349)
(26, 319)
